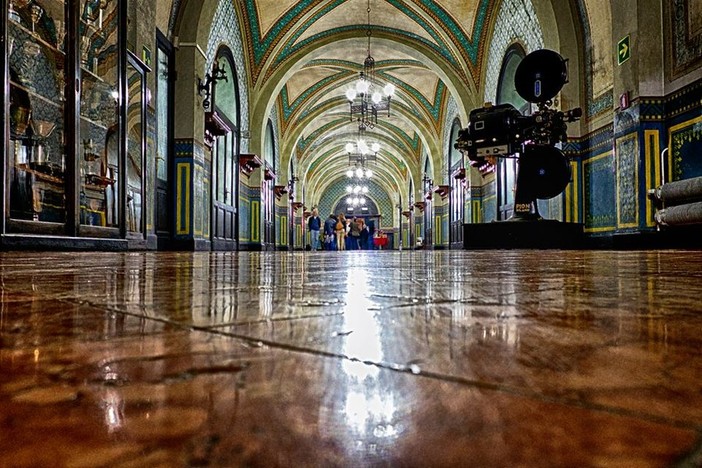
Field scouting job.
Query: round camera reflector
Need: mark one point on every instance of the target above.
(546, 170)
(541, 75)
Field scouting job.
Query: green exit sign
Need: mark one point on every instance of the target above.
(623, 50)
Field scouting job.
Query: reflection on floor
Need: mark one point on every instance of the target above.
(511, 358)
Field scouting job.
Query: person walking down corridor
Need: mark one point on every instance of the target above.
(340, 230)
(355, 233)
(314, 224)
(364, 234)
(329, 226)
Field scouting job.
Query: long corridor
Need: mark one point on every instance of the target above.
(445, 358)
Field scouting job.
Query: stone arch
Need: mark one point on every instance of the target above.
(269, 91)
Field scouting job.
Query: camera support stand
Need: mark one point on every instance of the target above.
(525, 206)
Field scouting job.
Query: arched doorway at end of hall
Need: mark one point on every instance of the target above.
(368, 211)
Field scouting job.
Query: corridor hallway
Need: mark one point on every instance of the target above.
(443, 358)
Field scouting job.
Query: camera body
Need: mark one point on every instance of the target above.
(501, 131)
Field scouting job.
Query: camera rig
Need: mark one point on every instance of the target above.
(501, 131)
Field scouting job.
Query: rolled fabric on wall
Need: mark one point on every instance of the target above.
(679, 192)
(690, 213)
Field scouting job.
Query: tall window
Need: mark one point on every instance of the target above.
(457, 195)
(225, 178)
(506, 94)
(428, 214)
(164, 136)
(267, 185)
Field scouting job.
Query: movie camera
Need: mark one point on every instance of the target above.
(501, 131)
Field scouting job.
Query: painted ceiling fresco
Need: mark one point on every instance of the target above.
(313, 52)
(301, 57)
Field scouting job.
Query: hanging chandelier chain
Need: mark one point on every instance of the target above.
(369, 32)
(365, 110)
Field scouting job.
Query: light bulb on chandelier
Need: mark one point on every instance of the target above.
(356, 189)
(355, 201)
(364, 101)
(361, 152)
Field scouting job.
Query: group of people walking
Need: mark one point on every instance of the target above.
(339, 233)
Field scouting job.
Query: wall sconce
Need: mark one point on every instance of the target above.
(291, 185)
(218, 73)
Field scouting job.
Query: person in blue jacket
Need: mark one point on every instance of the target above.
(314, 224)
(329, 237)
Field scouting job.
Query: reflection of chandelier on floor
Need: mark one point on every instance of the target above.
(364, 101)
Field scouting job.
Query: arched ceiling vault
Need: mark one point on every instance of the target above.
(303, 55)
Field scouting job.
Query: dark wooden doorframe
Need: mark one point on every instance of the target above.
(164, 199)
(223, 232)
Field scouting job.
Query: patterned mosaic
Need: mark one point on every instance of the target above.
(687, 43)
(301, 108)
(468, 47)
(686, 150)
(686, 100)
(225, 30)
(595, 104)
(626, 120)
(599, 186)
(289, 108)
(516, 22)
(290, 49)
(627, 150)
(597, 141)
(652, 109)
(337, 191)
(450, 115)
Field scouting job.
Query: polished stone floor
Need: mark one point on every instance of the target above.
(489, 359)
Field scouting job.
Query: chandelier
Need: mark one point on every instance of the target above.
(357, 189)
(364, 100)
(361, 152)
(355, 201)
(359, 173)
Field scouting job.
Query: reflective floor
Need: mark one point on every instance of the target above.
(491, 358)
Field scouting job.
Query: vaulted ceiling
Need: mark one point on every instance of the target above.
(304, 55)
(301, 57)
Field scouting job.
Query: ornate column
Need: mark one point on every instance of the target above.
(192, 207)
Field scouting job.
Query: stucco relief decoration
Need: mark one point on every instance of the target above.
(516, 21)
(602, 66)
(627, 151)
(687, 35)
